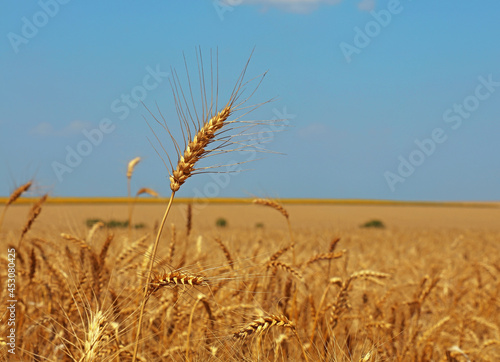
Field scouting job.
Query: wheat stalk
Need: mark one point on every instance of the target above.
(287, 268)
(36, 209)
(323, 256)
(225, 250)
(278, 207)
(189, 220)
(210, 138)
(171, 248)
(342, 300)
(148, 191)
(13, 197)
(92, 231)
(280, 252)
(130, 170)
(273, 204)
(81, 243)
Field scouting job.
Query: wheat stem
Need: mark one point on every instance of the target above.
(150, 269)
(130, 206)
(130, 170)
(190, 326)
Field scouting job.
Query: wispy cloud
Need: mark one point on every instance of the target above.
(297, 6)
(47, 129)
(366, 5)
(314, 132)
(42, 129)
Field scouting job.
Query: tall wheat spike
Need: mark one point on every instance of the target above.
(209, 135)
(130, 170)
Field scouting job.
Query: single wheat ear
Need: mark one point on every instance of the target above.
(36, 209)
(278, 207)
(131, 166)
(13, 197)
(175, 278)
(262, 324)
(92, 345)
(273, 204)
(197, 148)
(148, 191)
(323, 256)
(289, 269)
(18, 192)
(206, 132)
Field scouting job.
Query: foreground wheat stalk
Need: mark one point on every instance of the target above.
(185, 167)
(213, 129)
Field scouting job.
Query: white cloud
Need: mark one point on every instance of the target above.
(314, 131)
(297, 6)
(47, 129)
(43, 129)
(75, 127)
(366, 5)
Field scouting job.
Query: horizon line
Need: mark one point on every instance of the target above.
(246, 200)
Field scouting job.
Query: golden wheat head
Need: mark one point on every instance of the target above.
(263, 324)
(131, 166)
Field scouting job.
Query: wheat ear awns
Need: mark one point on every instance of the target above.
(208, 135)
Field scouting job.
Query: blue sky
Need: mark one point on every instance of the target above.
(384, 99)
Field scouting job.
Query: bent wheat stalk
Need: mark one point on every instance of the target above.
(278, 207)
(34, 212)
(13, 197)
(212, 137)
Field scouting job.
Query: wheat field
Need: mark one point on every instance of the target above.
(258, 280)
(424, 288)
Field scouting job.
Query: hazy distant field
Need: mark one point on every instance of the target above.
(241, 215)
(425, 287)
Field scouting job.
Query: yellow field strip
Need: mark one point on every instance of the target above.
(181, 200)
